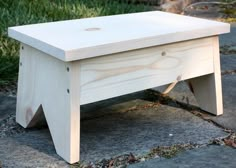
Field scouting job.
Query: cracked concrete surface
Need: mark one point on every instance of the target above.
(211, 156)
(123, 127)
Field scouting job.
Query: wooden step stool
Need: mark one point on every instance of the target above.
(70, 63)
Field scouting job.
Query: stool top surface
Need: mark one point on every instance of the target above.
(91, 37)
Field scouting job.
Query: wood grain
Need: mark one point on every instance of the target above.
(123, 73)
(70, 40)
(49, 86)
(207, 89)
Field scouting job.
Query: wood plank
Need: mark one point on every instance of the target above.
(207, 89)
(84, 38)
(46, 87)
(123, 73)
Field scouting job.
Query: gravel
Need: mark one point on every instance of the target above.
(9, 127)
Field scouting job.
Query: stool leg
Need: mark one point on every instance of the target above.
(207, 89)
(63, 117)
(50, 87)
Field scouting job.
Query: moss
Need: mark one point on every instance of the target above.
(169, 151)
(229, 10)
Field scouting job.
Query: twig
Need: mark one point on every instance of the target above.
(214, 2)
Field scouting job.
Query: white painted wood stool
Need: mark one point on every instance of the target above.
(70, 63)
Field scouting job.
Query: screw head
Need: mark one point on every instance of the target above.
(163, 53)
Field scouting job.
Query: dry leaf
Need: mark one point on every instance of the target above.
(230, 142)
(206, 7)
(111, 163)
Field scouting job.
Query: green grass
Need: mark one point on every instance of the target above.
(229, 10)
(20, 12)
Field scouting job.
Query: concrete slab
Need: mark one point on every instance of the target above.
(228, 62)
(211, 157)
(31, 149)
(131, 126)
(139, 130)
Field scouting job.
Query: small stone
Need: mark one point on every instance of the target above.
(156, 156)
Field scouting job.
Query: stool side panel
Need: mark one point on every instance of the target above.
(44, 83)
